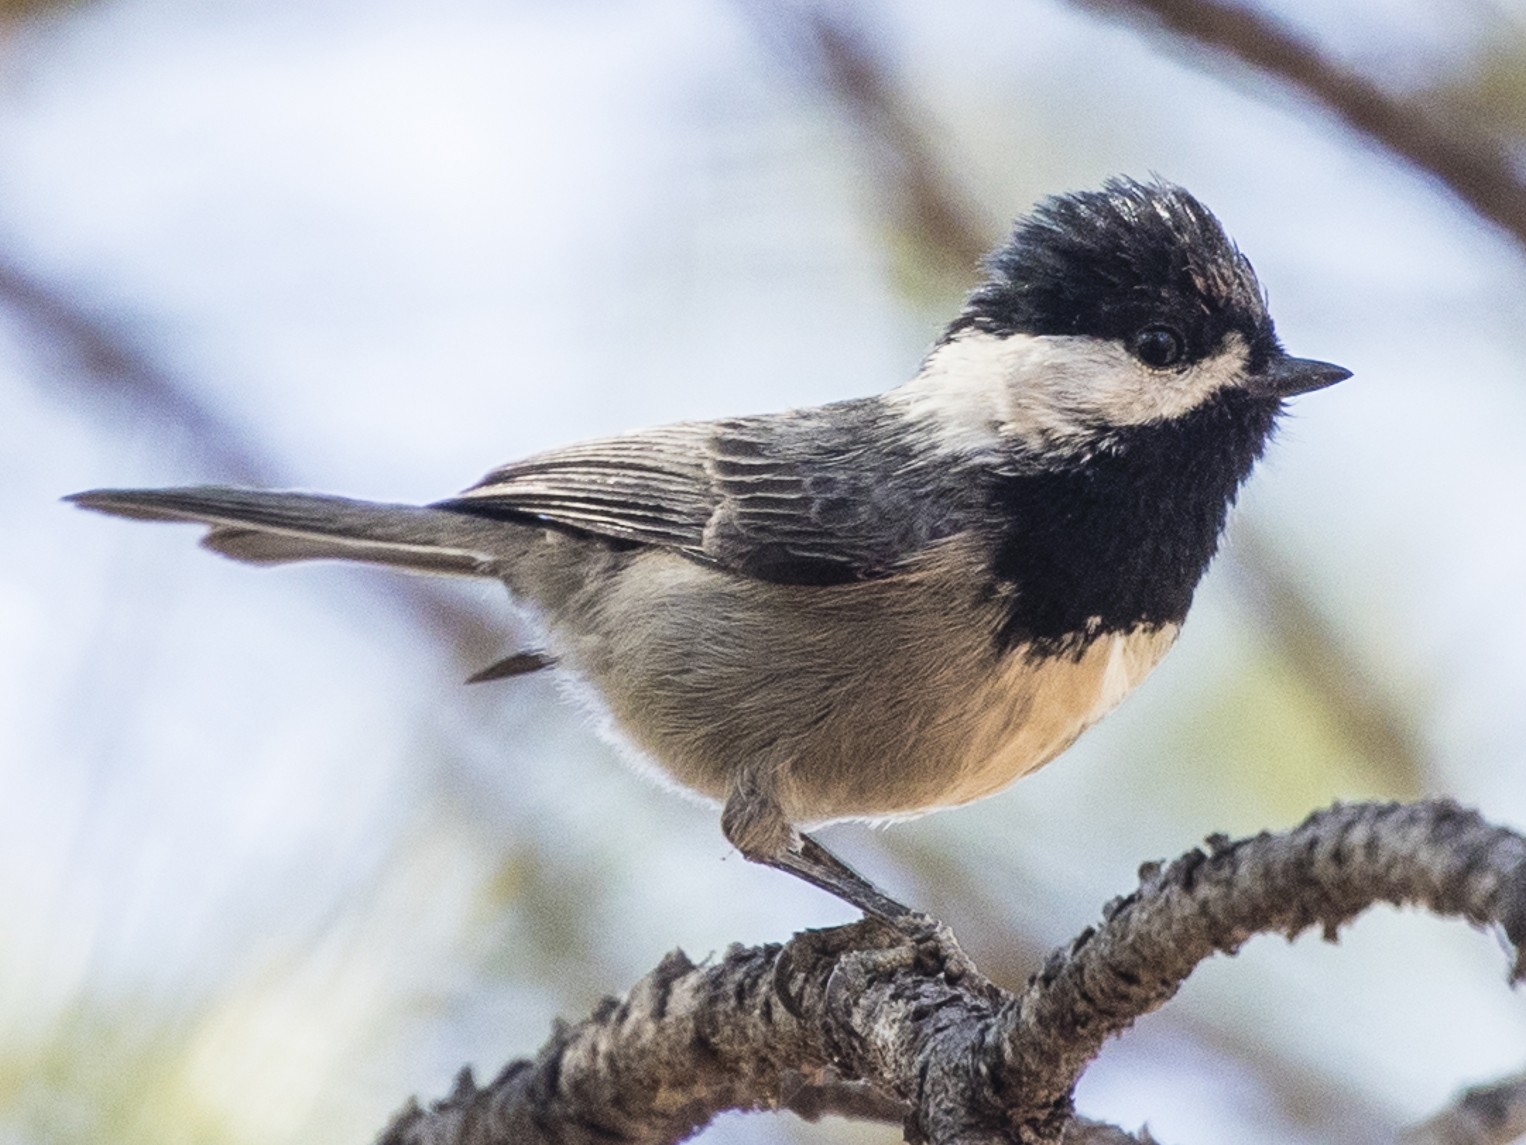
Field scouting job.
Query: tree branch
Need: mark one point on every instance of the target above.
(1472, 165)
(946, 226)
(973, 1064)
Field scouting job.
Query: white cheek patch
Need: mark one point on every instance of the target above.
(1134, 394)
(960, 392)
(979, 390)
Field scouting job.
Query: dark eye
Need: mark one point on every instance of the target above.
(1158, 346)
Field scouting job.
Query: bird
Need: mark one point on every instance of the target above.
(886, 605)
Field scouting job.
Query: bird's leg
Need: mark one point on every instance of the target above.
(756, 825)
(938, 952)
(807, 859)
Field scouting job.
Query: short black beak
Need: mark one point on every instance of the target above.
(1283, 377)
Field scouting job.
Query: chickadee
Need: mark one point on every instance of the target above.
(883, 606)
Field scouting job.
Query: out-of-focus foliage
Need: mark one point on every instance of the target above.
(1485, 86)
(19, 10)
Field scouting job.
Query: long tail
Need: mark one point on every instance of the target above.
(263, 527)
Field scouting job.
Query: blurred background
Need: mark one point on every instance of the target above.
(267, 868)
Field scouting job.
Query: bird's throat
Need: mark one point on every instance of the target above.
(1122, 541)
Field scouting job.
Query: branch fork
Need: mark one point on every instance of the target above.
(870, 1023)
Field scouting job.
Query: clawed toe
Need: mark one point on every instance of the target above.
(938, 951)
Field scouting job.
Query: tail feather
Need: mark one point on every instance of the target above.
(263, 527)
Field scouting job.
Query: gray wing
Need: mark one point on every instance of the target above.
(821, 496)
(649, 488)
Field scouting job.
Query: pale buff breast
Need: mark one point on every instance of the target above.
(949, 737)
(1035, 707)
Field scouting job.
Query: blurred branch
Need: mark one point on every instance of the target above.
(91, 358)
(95, 359)
(13, 12)
(1484, 1115)
(932, 209)
(914, 1020)
(1337, 676)
(1472, 165)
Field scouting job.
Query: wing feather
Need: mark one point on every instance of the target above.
(819, 496)
(649, 487)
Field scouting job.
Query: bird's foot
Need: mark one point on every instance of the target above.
(938, 952)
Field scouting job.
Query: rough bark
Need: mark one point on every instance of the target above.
(968, 1063)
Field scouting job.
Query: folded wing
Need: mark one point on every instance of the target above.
(822, 496)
